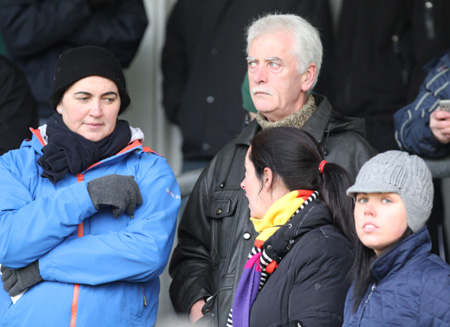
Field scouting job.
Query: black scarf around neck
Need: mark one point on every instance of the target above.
(69, 152)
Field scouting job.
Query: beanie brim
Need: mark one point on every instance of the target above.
(368, 187)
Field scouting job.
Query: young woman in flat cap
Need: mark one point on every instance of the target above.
(396, 280)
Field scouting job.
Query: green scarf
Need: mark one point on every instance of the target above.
(297, 119)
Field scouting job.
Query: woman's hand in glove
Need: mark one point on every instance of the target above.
(120, 192)
(17, 281)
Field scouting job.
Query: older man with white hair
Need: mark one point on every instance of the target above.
(284, 56)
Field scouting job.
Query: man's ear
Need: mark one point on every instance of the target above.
(308, 77)
(267, 178)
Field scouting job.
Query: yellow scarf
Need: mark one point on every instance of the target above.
(279, 213)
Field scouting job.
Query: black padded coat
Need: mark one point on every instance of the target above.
(310, 285)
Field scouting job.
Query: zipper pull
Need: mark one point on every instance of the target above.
(145, 298)
(370, 294)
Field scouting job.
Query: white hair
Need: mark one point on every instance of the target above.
(308, 47)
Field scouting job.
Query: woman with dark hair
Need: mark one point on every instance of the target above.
(396, 280)
(297, 270)
(87, 213)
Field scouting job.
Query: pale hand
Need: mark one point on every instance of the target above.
(196, 310)
(440, 125)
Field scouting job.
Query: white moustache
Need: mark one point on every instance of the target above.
(259, 89)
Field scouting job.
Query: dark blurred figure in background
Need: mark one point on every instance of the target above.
(18, 110)
(35, 32)
(203, 67)
(380, 48)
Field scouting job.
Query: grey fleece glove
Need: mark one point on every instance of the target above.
(118, 191)
(17, 281)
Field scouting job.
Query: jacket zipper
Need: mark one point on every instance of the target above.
(145, 298)
(76, 287)
(370, 294)
(365, 303)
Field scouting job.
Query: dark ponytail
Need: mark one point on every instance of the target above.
(294, 156)
(335, 182)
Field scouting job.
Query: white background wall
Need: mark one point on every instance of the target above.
(144, 86)
(144, 83)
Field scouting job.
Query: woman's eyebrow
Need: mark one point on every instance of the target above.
(109, 93)
(83, 92)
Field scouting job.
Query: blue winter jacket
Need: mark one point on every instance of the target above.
(412, 122)
(412, 288)
(98, 270)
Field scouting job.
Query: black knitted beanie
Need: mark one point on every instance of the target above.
(77, 63)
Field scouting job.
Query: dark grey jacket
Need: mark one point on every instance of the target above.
(215, 234)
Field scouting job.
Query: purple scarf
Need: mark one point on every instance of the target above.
(247, 291)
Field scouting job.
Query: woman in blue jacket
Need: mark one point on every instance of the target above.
(87, 214)
(397, 281)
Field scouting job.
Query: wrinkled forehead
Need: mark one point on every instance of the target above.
(272, 44)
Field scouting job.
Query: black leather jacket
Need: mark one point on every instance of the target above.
(215, 233)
